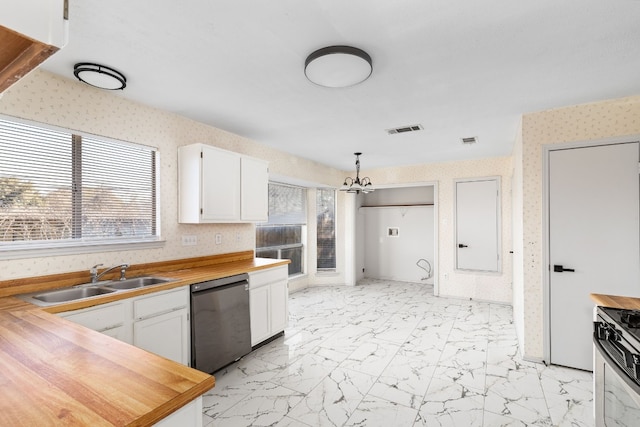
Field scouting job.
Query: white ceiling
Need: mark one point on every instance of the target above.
(459, 68)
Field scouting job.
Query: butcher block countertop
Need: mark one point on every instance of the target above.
(616, 301)
(55, 372)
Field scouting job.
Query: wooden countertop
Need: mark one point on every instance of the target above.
(616, 301)
(183, 277)
(55, 372)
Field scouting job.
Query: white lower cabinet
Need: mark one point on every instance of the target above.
(189, 415)
(278, 298)
(268, 299)
(113, 319)
(165, 334)
(259, 302)
(158, 322)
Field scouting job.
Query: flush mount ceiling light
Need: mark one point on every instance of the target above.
(99, 76)
(357, 185)
(338, 66)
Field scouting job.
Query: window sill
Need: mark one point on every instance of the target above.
(327, 273)
(27, 250)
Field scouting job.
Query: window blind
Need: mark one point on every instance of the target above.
(326, 228)
(118, 190)
(55, 185)
(35, 183)
(281, 236)
(287, 205)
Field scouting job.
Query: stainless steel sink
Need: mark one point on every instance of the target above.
(88, 290)
(65, 295)
(136, 282)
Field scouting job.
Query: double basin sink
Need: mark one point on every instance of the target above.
(89, 290)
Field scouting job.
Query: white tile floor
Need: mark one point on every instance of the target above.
(391, 354)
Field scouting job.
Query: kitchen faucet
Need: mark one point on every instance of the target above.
(95, 276)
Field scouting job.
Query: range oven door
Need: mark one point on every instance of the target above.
(617, 397)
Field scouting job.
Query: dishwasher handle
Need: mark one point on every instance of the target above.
(230, 280)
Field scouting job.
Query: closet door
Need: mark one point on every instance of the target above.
(477, 224)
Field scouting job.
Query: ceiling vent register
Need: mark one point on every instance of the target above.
(469, 140)
(404, 129)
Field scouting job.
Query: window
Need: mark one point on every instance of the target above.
(59, 188)
(281, 237)
(326, 228)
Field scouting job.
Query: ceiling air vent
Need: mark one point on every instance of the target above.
(404, 129)
(469, 140)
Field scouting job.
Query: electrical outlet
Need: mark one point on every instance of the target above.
(238, 237)
(218, 239)
(189, 240)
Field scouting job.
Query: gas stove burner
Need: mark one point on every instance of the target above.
(631, 318)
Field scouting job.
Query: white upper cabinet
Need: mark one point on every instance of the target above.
(40, 20)
(216, 185)
(254, 189)
(30, 32)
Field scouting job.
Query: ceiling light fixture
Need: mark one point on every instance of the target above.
(357, 185)
(338, 66)
(99, 76)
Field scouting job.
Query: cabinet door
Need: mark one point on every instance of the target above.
(188, 415)
(220, 185)
(166, 335)
(122, 333)
(279, 307)
(109, 319)
(41, 20)
(255, 190)
(259, 312)
(478, 225)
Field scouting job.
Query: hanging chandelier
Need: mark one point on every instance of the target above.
(357, 185)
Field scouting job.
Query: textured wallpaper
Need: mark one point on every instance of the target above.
(46, 98)
(599, 120)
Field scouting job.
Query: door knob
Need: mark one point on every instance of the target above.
(460, 245)
(560, 269)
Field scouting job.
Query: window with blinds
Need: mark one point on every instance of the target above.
(326, 228)
(281, 237)
(56, 186)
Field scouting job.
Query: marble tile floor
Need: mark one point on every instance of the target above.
(391, 354)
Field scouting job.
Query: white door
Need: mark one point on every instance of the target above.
(593, 241)
(477, 225)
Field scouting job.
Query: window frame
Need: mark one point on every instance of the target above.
(335, 243)
(40, 248)
(303, 232)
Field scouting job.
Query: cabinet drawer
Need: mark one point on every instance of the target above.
(264, 277)
(99, 318)
(156, 304)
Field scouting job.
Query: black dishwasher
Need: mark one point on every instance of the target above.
(220, 323)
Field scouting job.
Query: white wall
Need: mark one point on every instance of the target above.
(395, 257)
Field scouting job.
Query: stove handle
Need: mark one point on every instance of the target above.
(613, 365)
(606, 332)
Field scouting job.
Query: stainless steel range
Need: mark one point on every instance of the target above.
(616, 340)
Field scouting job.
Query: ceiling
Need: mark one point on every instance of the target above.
(458, 68)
